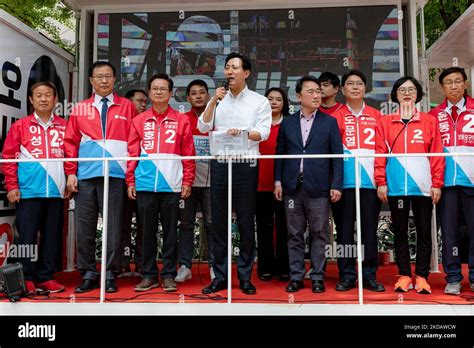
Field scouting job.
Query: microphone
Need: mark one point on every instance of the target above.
(224, 84)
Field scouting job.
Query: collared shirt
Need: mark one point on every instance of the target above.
(248, 111)
(40, 121)
(98, 101)
(306, 124)
(461, 105)
(358, 113)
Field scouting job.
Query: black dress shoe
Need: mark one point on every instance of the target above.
(215, 286)
(345, 285)
(110, 286)
(294, 286)
(318, 286)
(247, 287)
(266, 277)
(372, 285)
(86, 286)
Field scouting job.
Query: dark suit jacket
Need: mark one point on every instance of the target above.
(320, 174)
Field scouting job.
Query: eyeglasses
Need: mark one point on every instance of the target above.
(101, 77)
(355, 83)
(404, 90)
(449, 83)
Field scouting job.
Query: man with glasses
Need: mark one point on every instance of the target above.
(158, 184)
(98, 127)
(139, 99)
(357, 122)
(456, 206)
(307, 185)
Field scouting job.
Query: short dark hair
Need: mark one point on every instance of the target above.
(197, 83)
(452, 70)
(162, 77)
(131, 93)
(43, 83)
(286, 104)
(351, 73)
(246, 64)
(306, 78)
(401, 81)
(329, 76)
(99, 64)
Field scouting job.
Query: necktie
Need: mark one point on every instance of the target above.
(454, 112)
(103, 114)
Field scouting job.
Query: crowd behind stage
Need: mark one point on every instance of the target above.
(285, 197)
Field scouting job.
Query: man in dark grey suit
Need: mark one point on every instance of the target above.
(308, 185)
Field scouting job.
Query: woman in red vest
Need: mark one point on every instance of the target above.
(272, 257)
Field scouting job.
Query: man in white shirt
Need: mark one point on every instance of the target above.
(236, 110)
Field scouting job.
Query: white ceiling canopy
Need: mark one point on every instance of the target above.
(143, 4)
(456, 45)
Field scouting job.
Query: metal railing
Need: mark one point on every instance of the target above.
(230, 160)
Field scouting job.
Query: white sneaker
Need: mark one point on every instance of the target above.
(211, 271)
(307, 275)
(184, 273)
(453, 288)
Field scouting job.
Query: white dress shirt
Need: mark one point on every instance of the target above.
(461, 105)
(98, 101)
(356, 114)
(40, 121)
(248, 111)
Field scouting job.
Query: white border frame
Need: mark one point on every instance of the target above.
(224, 309)
(48, 308)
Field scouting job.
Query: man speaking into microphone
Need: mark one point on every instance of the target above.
(239, 113)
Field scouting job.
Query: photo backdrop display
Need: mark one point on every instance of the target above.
(283, 45)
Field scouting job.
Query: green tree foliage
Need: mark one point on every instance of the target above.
(440, 14)
(33, 13)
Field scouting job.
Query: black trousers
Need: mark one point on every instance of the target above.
(89, 202)
(344, 212)
(456, 201)
(44, 216)
(272, 253)
(164, 205)
(422, 211)
(244, 191)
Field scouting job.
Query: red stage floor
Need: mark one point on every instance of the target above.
(267, 292)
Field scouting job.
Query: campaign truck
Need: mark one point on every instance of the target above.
(26, 57)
